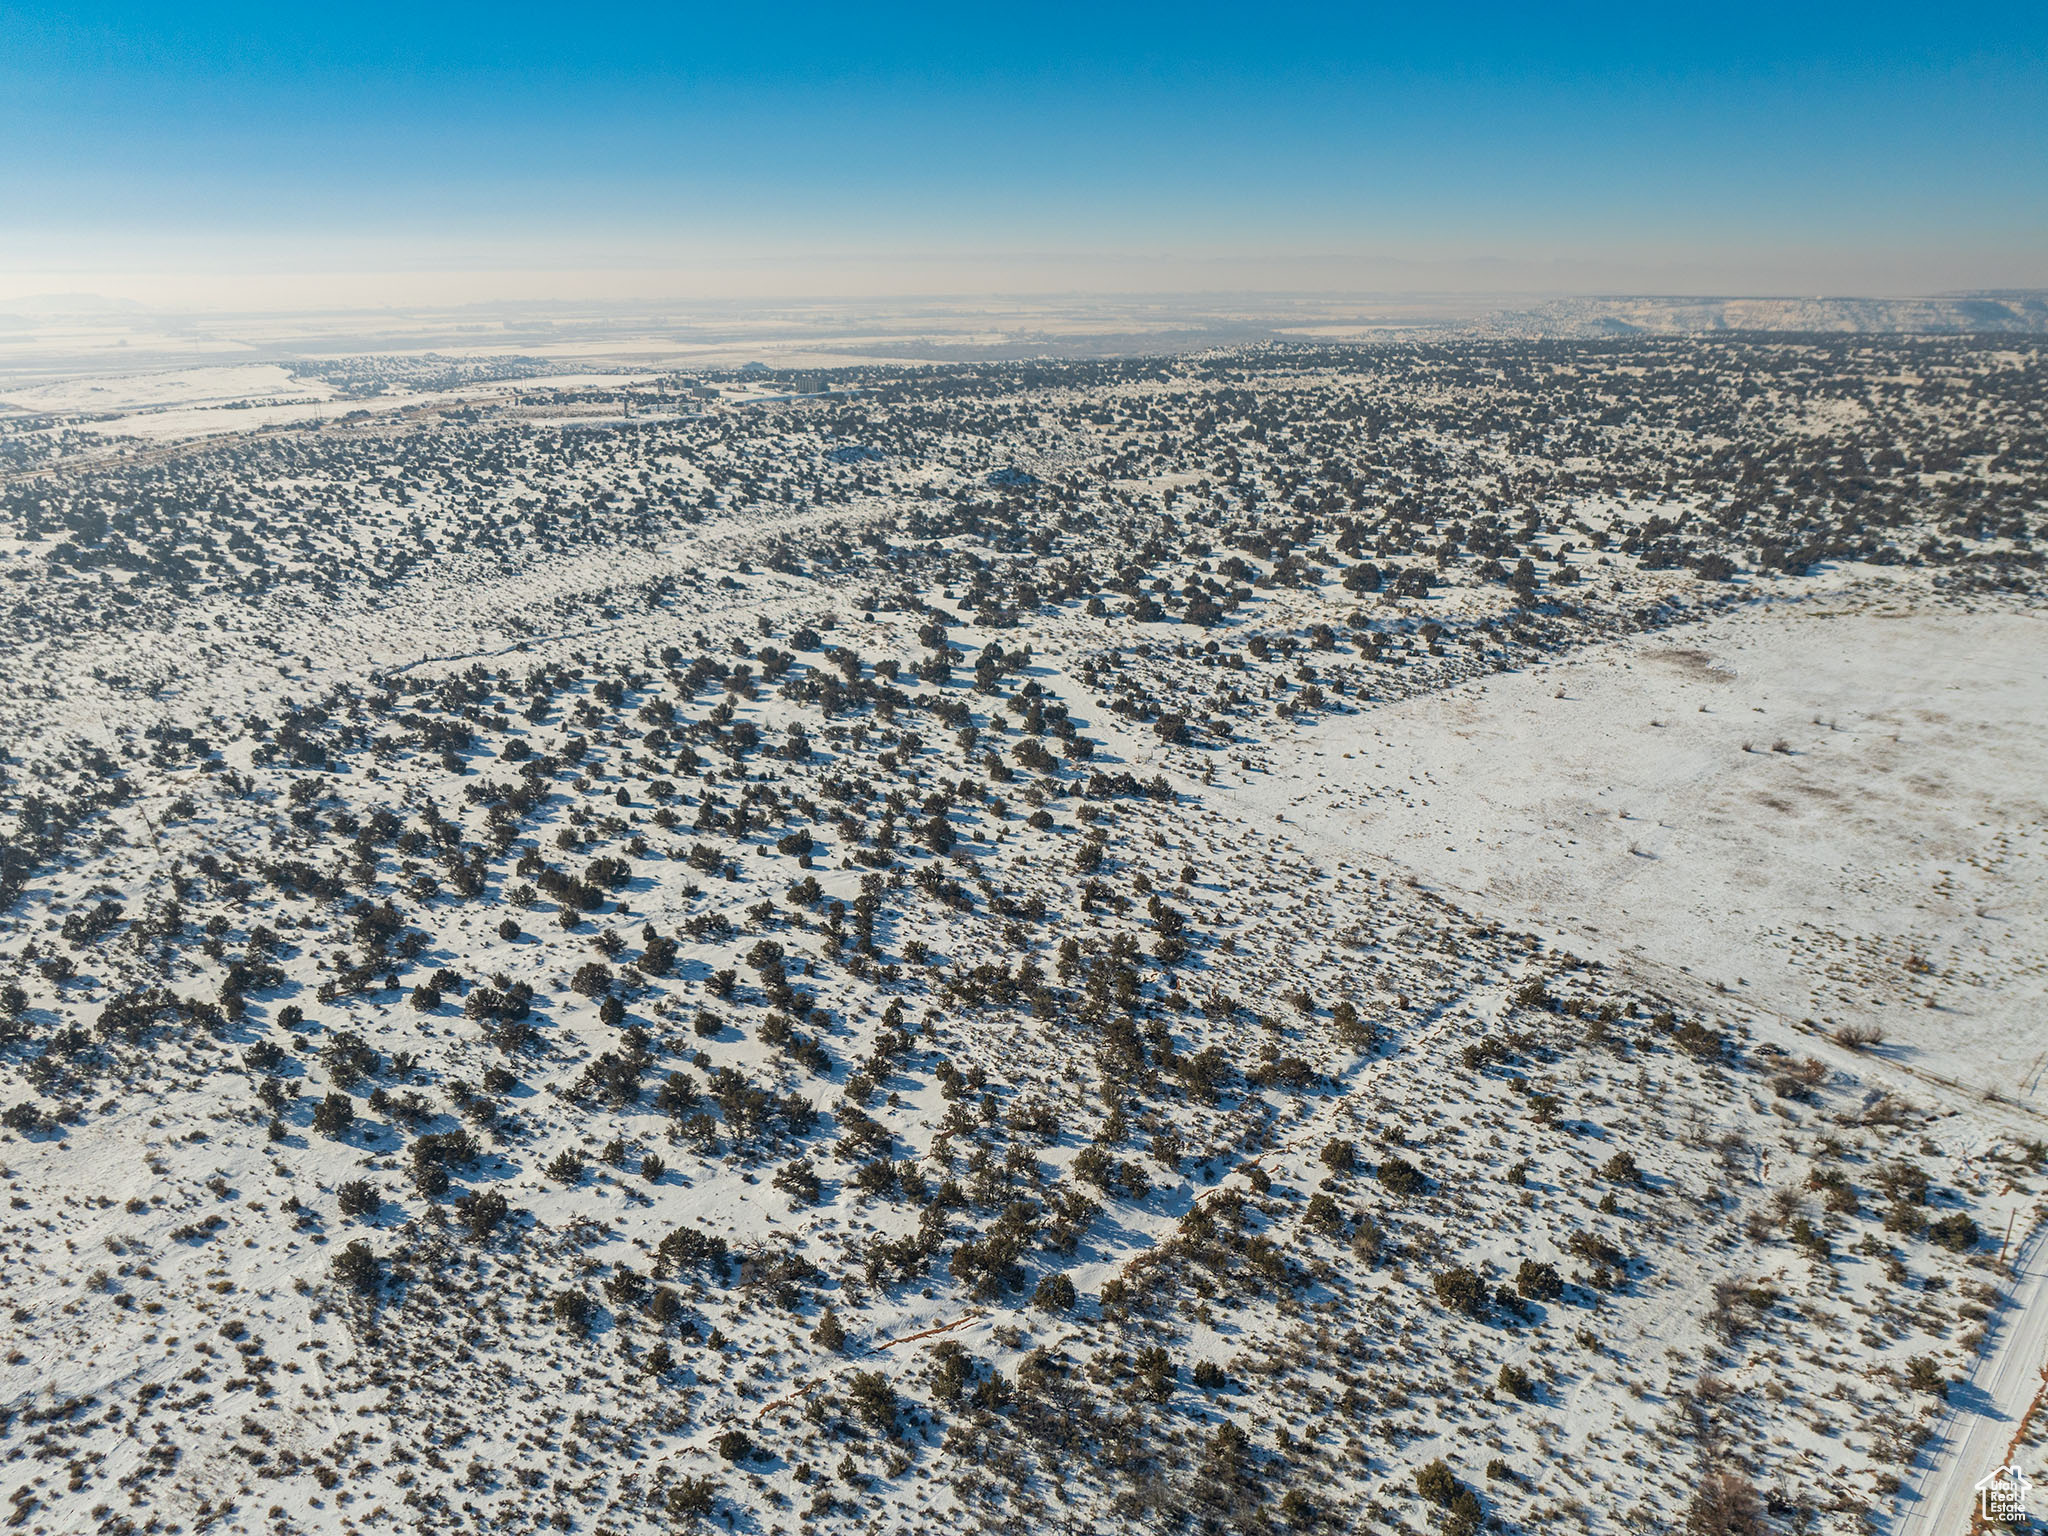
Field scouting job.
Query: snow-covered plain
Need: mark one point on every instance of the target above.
(1832, 808)
(1221, 943)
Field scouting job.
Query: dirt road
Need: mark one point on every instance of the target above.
(1984, 1413)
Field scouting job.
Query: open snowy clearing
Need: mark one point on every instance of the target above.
(1834, 809)
(163, 388)
(175, 405)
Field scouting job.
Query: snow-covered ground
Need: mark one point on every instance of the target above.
(1834, 809)
(188, 387)
(1266, 943)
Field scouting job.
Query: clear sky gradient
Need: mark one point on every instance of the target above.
(221, 153)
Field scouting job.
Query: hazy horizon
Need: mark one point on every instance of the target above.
(233, 157)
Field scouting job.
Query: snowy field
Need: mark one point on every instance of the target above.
(1436, 938)
(1834, 809)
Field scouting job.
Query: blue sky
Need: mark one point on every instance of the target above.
(1773, 148)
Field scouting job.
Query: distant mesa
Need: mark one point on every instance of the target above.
(1953, 314)
(753, 368)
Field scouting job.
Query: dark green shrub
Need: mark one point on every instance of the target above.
(567, 1167)
(689, 1498)
(1437, 1483)
(481, 1213)
(1923, 1374)
(1323, 1214)
(357, 1267)
(830, 1332)
(571, 1310)
(334, 1114)
(1400, 1176)
(1461, 1290)
(1538, 1281)
(1621, 1169)
(1955, 1231)
(874, 1400)
(1055, 1293)
(348, 1059)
